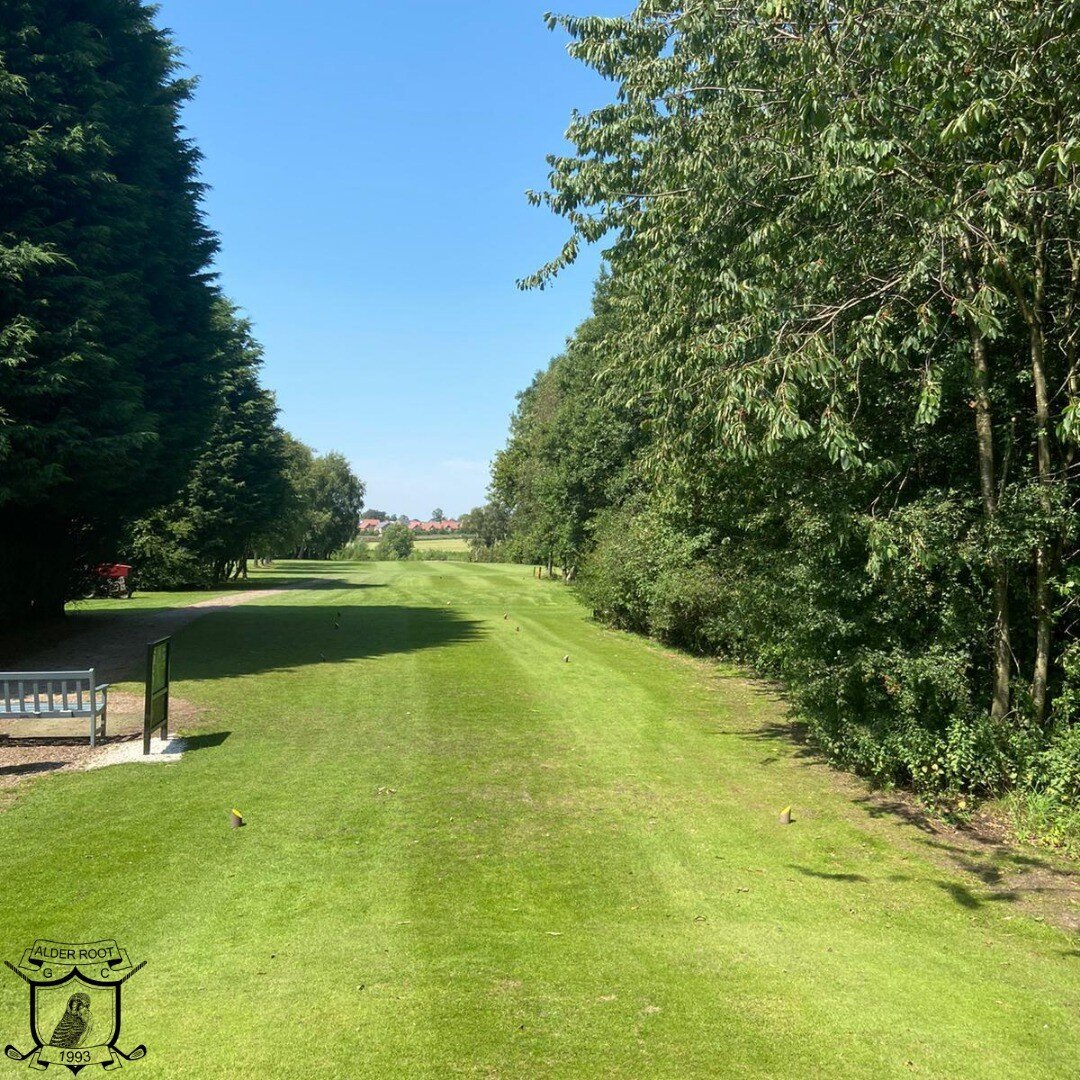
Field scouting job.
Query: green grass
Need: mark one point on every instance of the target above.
(466, 857)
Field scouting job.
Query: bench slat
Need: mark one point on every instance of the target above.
(71, 676)
(33, 694)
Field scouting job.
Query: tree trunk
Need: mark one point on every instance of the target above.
(1043, 548)
(999, 706)
(1033, 310)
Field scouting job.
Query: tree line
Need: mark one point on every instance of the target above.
(824, 416)
(132, 423)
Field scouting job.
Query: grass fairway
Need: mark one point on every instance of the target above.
(465, 857)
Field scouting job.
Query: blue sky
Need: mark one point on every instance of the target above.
(367, 166)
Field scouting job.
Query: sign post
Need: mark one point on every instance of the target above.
(156, 712)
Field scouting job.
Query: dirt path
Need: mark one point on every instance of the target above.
(116, 649)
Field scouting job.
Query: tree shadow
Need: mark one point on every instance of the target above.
(250, 640)
(792, 733)
(807, 872)
(217, 599)
(113, 640)
(961, 894)
(877, 805)
(1004, 858)
(28, 768)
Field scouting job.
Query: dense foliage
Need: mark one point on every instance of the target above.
(396, 542)
(834, 374)
(255, 492)
(132, 422)
(568, 451)
(238, 493)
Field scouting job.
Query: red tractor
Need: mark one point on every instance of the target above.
(113, 580)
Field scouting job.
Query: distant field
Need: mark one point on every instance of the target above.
(428, 543)
(443, 543)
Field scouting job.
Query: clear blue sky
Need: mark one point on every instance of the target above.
(367, 165)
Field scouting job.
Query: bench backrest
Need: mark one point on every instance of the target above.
(64, 690)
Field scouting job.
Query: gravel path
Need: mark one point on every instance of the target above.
(116, 648)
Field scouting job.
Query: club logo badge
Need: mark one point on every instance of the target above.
(75, 1004)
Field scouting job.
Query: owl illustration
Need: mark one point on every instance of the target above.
(75, 1025)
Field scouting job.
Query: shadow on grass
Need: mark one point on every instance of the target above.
(204, 742)
(1005, 859)
(879, 806)
(997, 873)
(962, 895)
(25, 640)
(78, 619)
(282, 637)
(793, 734)
(807, 872)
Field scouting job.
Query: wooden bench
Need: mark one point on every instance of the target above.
(54, 695)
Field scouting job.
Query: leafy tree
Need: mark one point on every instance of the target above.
(438, 515)
(487, 526)
(109, 359)
(333, 498)
(396, 542)
(285, 535)
(845, 263)
(239, 489)
(844, 236)
(569, 449)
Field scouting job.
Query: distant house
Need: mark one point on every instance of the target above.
(447, 525)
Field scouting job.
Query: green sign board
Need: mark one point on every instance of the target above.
(156, 711)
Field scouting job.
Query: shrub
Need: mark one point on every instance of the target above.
(353, 551)
(396, 543)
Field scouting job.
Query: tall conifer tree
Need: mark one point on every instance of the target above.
(109, 358)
